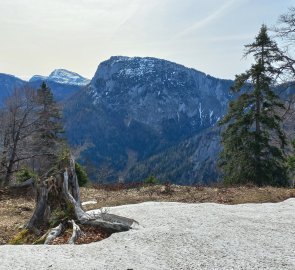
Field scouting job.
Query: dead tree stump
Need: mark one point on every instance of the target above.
(58, 203)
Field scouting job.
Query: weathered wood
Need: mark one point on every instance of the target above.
(61, 191)
(79, 212)
(55, 232)
(107, 221)
(73, 182)
(118, 219)
(89, 203)
(25, 184)
(76, 233)
(109, 226)
(40, 209)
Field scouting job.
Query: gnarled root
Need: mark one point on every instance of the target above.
(55, 232)
(76, 233)
(112, 223)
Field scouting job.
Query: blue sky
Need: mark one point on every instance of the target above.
(38, 36)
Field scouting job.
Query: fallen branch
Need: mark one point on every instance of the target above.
(89, 202)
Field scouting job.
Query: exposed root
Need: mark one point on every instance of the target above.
(76, 233)
(55, 232)
(112, 223)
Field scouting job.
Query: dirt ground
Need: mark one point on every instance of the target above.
(16, 208)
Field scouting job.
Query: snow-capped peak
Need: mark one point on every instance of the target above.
(62, 76)
(67, 77)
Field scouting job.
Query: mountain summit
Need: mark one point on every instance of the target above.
(62, 76)
(135, 110)
(151, 90)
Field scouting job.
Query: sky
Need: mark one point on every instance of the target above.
(38, 36)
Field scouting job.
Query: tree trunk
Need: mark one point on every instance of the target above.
(8, 174)
(38, 217)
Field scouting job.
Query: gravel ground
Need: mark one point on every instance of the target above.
(178, 236)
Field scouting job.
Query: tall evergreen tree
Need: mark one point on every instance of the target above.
(253, 140)
(50, 127)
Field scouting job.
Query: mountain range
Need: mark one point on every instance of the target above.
(139, 117)
(63, 83)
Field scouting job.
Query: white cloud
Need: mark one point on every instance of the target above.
(219, 12)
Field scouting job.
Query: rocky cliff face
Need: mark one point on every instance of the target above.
(135, 109)
(151, 91)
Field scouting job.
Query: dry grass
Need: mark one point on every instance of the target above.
(16, 209)
(186, 194)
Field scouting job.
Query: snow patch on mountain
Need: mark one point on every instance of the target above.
(67, 77)
(142, 67)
